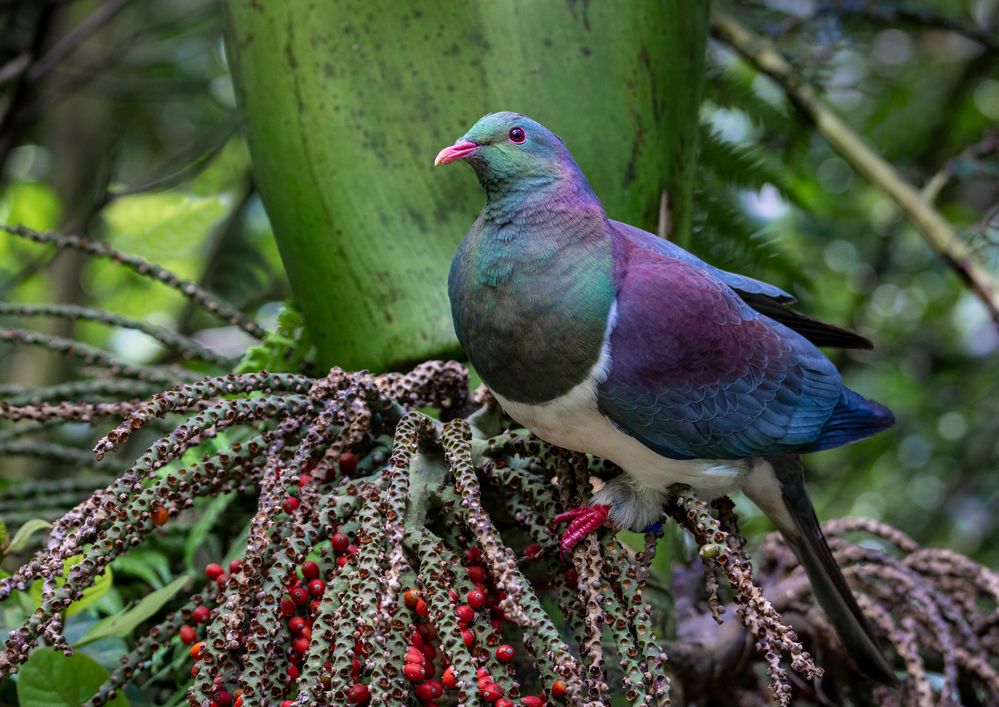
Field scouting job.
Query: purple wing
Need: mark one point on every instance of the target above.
(748, 285)
(696, 373)
(761, 296)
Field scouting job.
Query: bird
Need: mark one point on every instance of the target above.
(602, 338)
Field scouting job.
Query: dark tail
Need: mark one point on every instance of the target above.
(782, 496)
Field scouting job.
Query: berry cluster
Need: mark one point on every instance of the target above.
(481, 621)
(298, 608)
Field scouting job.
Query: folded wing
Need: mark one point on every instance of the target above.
(695, 372)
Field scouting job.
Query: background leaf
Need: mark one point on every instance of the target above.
(26, 530)
(51, 679)
(124, 623)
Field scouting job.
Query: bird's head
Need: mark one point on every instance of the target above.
(508, 149)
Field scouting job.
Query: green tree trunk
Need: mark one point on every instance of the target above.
(346, 102)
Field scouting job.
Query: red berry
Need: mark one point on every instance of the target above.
(465, 613)
(310, 570)
(299, 595)
(221, 580)
(222, 698)
(476, 573)
(504, 702)
(352, 549)
(415, 655)
(429, 690)
(504, 653)
(339, 541)
(571, 577)
(304, 480)
(422, 609)
(429, 668)
(306, 632)
(473, 555)
(348, 463)
(160, 516)
(467, 637)
(293, 671)
(300, 644)
(288, 703)
(290, 504)
(491, 692)
(449, 679)
(482, 672)
(533, 551)
(296, 624)
(187, 635)
(214, 571)
(287, 607)
(355, 667)
(476, 599)
(235, 567)
(341, 561)
(414, 672)
(411, 597)
(429, 651)
(197, 650)
(359, 694)
(317, 587)
(532, 701)
(201, 614)
(238, 702)
(314, 606)
(559, 688)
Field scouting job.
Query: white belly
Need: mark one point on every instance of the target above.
(574, 422)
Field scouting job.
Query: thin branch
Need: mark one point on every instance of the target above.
(71, 42)
(187, 346)
(152, 271)
(920, 17)
(927, 220)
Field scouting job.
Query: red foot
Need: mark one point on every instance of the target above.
(582, 521)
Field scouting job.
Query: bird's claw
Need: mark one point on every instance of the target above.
(583, 520)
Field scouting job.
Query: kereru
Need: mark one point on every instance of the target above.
(602, 338)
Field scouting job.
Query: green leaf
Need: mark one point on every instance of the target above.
(26, 531)
(51, 679)
(91, 594)
(124, 623)
(4, 536)
(151, 566)
(203, 527)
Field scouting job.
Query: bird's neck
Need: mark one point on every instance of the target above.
(564, 190)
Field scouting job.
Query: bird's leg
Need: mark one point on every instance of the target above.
(622, 503)
(583, 520)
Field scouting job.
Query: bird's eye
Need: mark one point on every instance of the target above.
(518, 135)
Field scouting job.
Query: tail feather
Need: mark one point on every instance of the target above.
(854, 418)
(784, 498)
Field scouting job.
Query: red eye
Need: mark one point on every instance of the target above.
(518, 135)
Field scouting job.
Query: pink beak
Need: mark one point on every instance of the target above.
(457, 151)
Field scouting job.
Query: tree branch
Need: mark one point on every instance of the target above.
(851, 146)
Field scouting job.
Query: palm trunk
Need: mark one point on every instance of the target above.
(345, 103)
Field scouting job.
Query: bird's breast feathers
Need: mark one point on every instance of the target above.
(574, 421)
